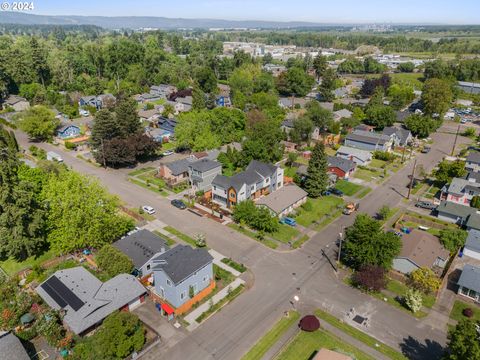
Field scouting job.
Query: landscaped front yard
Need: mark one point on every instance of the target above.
(367, 174)
(12, 266)
(458, 308)
(285, 233)
(348, 188)
(314, 210)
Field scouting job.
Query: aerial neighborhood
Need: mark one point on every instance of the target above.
(185, 188)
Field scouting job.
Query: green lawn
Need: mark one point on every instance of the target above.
(168, 146)
(247, 232)
(151, 187)
(376, 163)
(400, 289)
(347, 187)
(12, 266)
(360, 336)
(140, 171)
(300, 241)
(306, 344)
(367, 174)
(289, 171)
(152, 179)
(411, 79)
(181, 235)
(317, 209)
(458, 307)
(170, 242)
(285, 233)
(271, 337)
(364, 192)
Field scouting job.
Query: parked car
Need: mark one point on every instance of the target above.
(167, 153)
(179, 204)
(350, 208)
(426, 149)
(396, 233)
(84, 112)
(337, 192)
(148, 209)
(288, 221)
(425, 205)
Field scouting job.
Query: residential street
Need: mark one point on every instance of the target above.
(278, 276)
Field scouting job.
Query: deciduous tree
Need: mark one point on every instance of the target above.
(463, 341)
(38, 122)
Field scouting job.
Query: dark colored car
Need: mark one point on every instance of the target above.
(178, 204)
(425, 205)
(336, 192)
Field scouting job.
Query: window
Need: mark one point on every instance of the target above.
(232, 195)
(267, 180)
(195, 288)
(252, 187)
(183, 294)
(214, 187)
(148, 267)
(205, 278)
(169, 283)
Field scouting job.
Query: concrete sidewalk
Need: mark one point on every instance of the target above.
(191, 317)
(217, 260)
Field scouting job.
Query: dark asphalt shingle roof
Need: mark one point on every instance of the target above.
(141, 246)
(473, 221)
(179, 167)
(254, 173)
(368, 137)
(182, 261)
(402, 133)
(343, 164)
(263, 169)
(11, 348)
(450, 208)
(470, 278)
(472, 175)
(474, 157)
(204, 165)
(473, 241)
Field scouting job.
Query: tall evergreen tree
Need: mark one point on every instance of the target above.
(320, 65)
(328, 85)
(127, 117)
(105, 127)
(317, 177)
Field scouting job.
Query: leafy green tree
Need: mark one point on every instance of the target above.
(384, 212)
(296, 82)
(407, 67)
(475, 202)
(38, 122)
(113, 262)
(413, 300)
(380, 116)
(425, 280)
(463, 341)
(400, 95)
(420, 125)
(206, 79)
(104, 128)
(258, 218)
(327, 86)
(317, 177)
(244, 212)
(198, 99)
(34, 92)
(302, 130)
(321, 117)
(447, 170)
(194, 130)
(453, 239)
(81, 213)
(320, 65)
(120, 334)
(436, 97)
(438, 69)
(367, 244)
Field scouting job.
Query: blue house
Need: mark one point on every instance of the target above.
(167, 124)
(68, 131)
(181, 270)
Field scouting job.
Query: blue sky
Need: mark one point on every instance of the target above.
(325, 11)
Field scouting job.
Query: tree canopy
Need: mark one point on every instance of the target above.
(317, 177)
(113, 262)
(463, 341)
(38, 122)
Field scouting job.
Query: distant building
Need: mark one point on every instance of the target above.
(460, 191)
(370, 141)
(401, 136)
(469, 87)
(85, 300)
(473, 161)
(342, 114)
(175, 172)
(472, 245)
(68, 131)
(274, 69)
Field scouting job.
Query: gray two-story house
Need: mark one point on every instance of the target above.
(202, 172)
(180, 271)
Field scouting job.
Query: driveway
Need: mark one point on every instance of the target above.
(279, 276)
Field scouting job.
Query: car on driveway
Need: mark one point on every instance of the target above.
(337, 192)
(425, 205)
(168, 153)
(426, 149)
(288, 221)
(148, 209)
(179, 204)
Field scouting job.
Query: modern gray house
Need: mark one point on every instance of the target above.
(202, 172)
(369, 140)
(85, 300)
(180, 269)
(141, 247)
(469, 282)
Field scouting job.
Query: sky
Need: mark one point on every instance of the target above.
(324, 11)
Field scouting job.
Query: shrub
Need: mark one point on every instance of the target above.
(307, 206)
(370, 278)
(70, 146)
(424, 279)
(383, 212)
(469, 132)
(468, 312)
(413, 300)
(27, 334)
(383, 155)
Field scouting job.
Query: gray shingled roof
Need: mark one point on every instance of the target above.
(473, 241)
(403, 134)
(283, 198)
(179, 167)
(141, 246)
(264, 169)
(473, 176)
(350, 151)
(470, 278)
(474, 157)
(368, 137)
(99, 299)
(204, 165)
(182, 261)
(11, 348)
(454, 209)
(343, 164)
(254, 173)
(458, 185)
(473, 221)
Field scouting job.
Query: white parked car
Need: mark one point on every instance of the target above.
(167, 153)
(84, 112)
(148, 209)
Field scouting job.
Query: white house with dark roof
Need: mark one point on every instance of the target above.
(369, 140)
(180, 271)
(258, 179)
(358, 156)
(141, 247)
(401, 136)
(473, 161)
(85, 300)
(342, 114)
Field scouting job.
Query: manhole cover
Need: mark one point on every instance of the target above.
(359, 319)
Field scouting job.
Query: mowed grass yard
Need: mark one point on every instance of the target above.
(306, 344)
(315, 209)
(285, 233)
(12, 266)
(348, 188)
(458, 308)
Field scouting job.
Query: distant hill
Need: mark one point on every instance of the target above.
(136, 22)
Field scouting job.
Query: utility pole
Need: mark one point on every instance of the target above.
(455, 142)
(340, 239)
(103, 155)
(411, 179)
